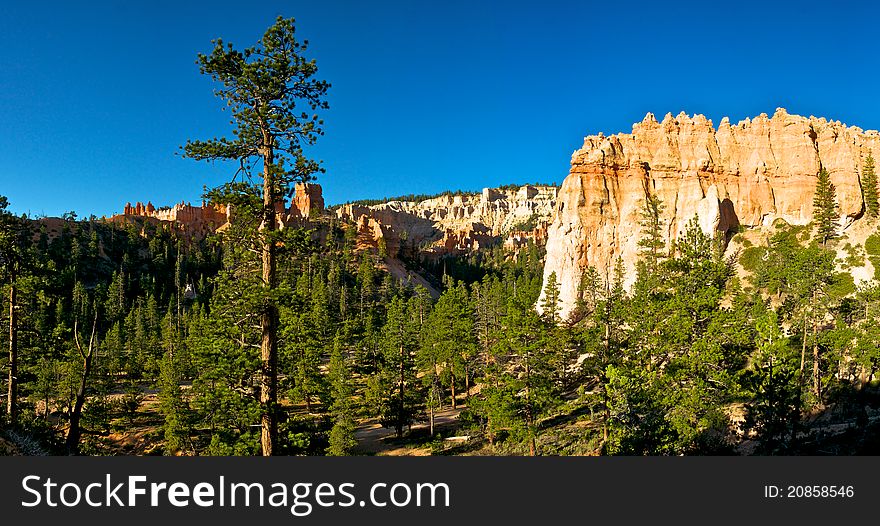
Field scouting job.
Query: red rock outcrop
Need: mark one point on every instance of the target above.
(204, 217)
(308, 201)
(748, 174)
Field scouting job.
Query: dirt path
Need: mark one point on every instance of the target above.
(373, 439)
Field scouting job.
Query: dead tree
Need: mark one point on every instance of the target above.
(74, 433)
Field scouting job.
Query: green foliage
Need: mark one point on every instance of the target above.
(746, 242)
(774, 411)
(825, 212)
(342, 409)
(751, 258)
(411, 198)
(658, 369)
(855, 256)
(268, 88)
(872, 245)
(530, 223)
(680, 353)
(448, 343)
(550, 304)
(638, 422)
(396, 393)
(875, 262)
(652, 241)
(841, 286)
(174, 407)
(869, 187)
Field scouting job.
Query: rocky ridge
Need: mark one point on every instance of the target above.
(308, 201)
(455, 224)
(743, 175)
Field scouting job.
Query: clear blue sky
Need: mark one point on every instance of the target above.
(95, 98)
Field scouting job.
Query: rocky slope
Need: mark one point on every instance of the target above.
(455, 224)
(738, 175)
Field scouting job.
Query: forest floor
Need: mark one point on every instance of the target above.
(141, 432)
(851, 426)
(374, 439)
(7, 448)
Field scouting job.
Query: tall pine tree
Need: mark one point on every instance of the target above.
(869, 187)
(825, 207)
(342, 409)
(269, 88)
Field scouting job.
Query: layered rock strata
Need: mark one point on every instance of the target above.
(738, 175)
(455, 224)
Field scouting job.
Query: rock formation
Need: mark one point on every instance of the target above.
(308, 201)
(746, 174)
(455, 224)
(204, 217)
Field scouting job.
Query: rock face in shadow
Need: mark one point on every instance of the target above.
(739, 175)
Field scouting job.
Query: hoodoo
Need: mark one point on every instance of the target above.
(743, 175)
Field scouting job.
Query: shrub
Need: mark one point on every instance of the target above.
(872, 245)
(751, 257)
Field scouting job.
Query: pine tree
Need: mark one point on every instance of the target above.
(602, 335)
(173, 406)
(825, 207)
(869, 188)
(775, 407)
(588, 293)
(306, 336)
(652, 241)
(529, 370)
(449, 337)
(268, 88)
(342, 409)
(399, 398)
(15, 238)
(223, 341)
(803, 277)
(550, 305)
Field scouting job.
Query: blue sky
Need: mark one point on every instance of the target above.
(95, 98)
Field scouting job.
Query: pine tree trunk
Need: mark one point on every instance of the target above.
(605, 401)
(533, 450)
(400, 397)
(490, 431)
(12, 400)
(431, 417)
(803, 351)
(452, 386)
(467, 386)
(607, 414)
(177, 321)
(817, 381)
(74, 433)
(269, 317)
